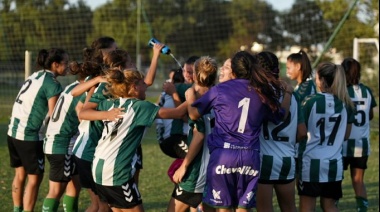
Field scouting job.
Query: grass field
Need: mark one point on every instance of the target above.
(156, 187)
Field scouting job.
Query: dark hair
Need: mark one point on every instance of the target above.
(78, 69)
(269, 62)
(178, 76)
(93, 56)
(47, 57)
(302, 59)
(246, 66)
(352, 70)
(191, 60)
(89, 66)
(116, 58)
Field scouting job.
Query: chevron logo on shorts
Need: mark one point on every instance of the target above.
(300, 184)
(178, 191)
(41, 164)
(66, 167)
(183, 146)
(127, 193)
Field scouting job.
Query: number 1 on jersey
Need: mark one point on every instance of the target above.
(244, 114)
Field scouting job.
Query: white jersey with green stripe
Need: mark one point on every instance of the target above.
(63, 123)
(358, 144)
(277, 146)
(326, 118)
(115, 155)
(31, 105)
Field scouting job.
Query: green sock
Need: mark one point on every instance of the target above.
(361, 204)
(50, 205)
(17, 208)
(70, 204)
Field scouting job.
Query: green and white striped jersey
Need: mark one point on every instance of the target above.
(63, 124)
(195, 178)
(277, 146)
(90, 131)
(326, 118)
(358, 145)
(305, 89)
(31, 105)
(115, 155)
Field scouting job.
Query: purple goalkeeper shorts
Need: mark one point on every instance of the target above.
(232, 177)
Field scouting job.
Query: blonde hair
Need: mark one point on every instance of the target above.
(206, 70)
(335, 80)
(121, 82)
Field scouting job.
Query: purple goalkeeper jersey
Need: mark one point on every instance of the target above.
(239, 114)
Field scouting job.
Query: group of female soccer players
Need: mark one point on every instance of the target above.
(249, 134)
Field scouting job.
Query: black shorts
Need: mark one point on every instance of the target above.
(62, 167)
(189, 198)
(124, 196)
(175, 146)
(277, 182)
(358, 163)
(332, 190)
(85, 174)
(139, 162)
(28, 154)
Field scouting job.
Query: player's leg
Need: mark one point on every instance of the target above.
(70, 200)
(264, 197)
(18, 188)
(286, 196)
(19, 178)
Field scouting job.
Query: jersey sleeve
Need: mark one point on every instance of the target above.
(373, 101)
(200, 125)
(100, 94)
(52, 87)
(204, 104)
(147, 112)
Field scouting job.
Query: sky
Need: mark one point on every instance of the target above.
(277, 4)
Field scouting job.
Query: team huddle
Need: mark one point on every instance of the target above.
(236, 133)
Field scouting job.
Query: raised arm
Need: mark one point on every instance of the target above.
(149, 78)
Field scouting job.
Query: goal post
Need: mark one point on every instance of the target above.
(363, 40)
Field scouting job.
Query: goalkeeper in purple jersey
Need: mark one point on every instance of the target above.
(240, 105)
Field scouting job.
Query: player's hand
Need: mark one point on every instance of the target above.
(169, 88)
(178, 175)
(115, 114)
(157, 48)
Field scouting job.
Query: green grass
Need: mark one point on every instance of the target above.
(156, 188)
